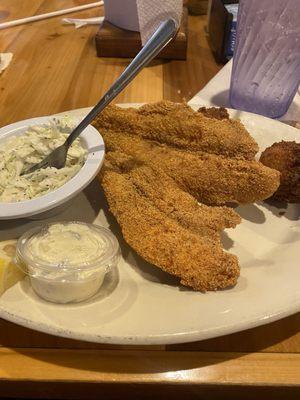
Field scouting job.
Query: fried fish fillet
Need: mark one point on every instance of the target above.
(179, 126)
(167, 227)
(158, 158)
(210, 178)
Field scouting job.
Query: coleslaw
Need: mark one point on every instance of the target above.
(21, 152)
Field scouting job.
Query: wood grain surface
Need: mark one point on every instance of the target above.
(55, 68)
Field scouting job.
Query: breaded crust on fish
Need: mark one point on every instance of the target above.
(179, 126)
(167, 227)
(210, 178)
(162, 160)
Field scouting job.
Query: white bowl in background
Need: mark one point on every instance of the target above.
(91, 140)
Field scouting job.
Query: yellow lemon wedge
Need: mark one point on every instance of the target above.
(10, 274)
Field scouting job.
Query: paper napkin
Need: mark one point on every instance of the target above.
(79, 22)
(5, 59)
(142, 15)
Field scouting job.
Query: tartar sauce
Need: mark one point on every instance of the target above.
(67, 244)
(67, 262)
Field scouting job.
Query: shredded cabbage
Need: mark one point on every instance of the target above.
(21, 152)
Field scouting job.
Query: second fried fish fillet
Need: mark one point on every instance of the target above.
(167, 227)
(155, 185)
(210, 178)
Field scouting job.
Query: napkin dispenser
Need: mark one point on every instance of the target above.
(119, 40)
(221, 28)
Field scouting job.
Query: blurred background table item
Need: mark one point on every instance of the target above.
(216, 93)
(197, 7)
(221, 28)
(113, 41)
(50, 57)
(129, 23)
(55, 69)
(266, 61)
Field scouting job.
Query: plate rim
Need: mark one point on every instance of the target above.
(163, 339)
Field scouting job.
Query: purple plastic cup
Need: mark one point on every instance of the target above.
(266, 63)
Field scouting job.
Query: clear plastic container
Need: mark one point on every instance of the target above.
(48, 255)
(266, 62)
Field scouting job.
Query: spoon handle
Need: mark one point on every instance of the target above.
(161, 37)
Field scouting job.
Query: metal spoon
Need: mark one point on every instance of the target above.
(161, 37)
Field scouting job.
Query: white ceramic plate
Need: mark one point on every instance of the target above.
(91, 140)
(142, 305)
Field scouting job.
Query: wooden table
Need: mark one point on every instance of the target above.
(55, 68)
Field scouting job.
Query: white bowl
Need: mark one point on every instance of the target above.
(92, 141)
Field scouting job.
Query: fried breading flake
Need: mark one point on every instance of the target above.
(214, 112)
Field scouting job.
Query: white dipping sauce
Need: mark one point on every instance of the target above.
(67, 244)
(67, 262)
(67, 291)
